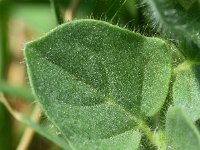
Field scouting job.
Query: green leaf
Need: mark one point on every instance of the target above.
(181, 18)
(129, 140)
(6, 139)
(186, 89)
(96, 81)
(21, 92)
(181, 133)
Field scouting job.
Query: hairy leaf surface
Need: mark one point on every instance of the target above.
(181, 133)
(95, 80)
(186, 91)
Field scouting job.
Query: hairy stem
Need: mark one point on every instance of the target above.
(153, 137)
(184, 66)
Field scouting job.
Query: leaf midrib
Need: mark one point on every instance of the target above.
(110, 100)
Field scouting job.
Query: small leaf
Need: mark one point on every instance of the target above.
(182, 23)
(186, 90)
(181, 133)
(94, 80)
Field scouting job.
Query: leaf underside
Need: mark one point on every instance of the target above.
(181, 133)
(95, 81)
(186, 91)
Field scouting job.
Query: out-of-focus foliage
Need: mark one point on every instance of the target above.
(100, 86)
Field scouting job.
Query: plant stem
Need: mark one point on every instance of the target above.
(42, 131)
(113, 17)
(8, 107)
(70, 13)
(185, 65)
(5, 121)
(152, 137)
(4, 50)
(29, 132)
(57, 12)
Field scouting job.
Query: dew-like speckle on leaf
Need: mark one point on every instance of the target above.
(94, 80)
